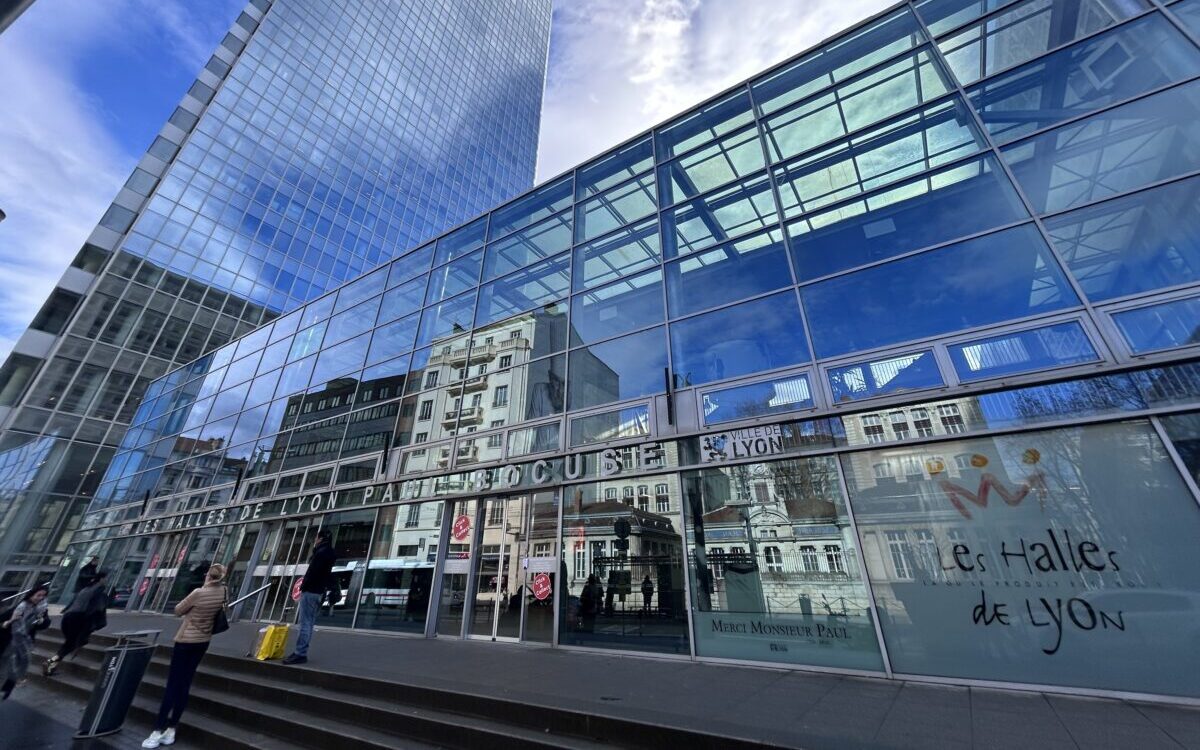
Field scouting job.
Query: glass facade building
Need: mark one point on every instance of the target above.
(317, 141)
(880, 362)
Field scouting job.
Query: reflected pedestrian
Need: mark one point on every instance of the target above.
(27, 618)
(199, 611)
(589, 603)
(317, 580)
(82, 617)
(647, 593)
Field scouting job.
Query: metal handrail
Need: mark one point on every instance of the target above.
(14, 596)
(247, 596)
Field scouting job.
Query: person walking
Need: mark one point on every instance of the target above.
(82, 617)
(317, 580)
(87, 574)
(27, 618)
(647, 594)
(199, 612)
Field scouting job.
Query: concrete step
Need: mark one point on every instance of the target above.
(442, 717)
(201, 731)
(308, 717)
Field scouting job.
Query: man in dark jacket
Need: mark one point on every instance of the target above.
(317, 580)
(87, 574)
(82, 617)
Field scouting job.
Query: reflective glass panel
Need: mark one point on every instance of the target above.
(521, 338)
(616, 255)
(718, 217)
(538, 439)
(1120, 149)
(455, 278)
(1026, 30)
(1188, 11)
(1002, 276)
(538, 242)
(1024, 351)
(531, 208)
(894, 88)
(403, 299)
(1077, 572)
(1116, 65)
(940, 206)
(838, 61)
(775, 573)
(392, 339)
(619, 424)
(1165, 326)
(461, 241)
(884, 376)
(779, 396)
(524, 290)
(751, 337)
(619, 206)
(713, 165)
(351, 322)
(727, 273)
(709, 123)
(943, 15)
(623, 590)
(931, 137)
(622, 306)
(447, 319)
(624, 368)
(398, 577)
(1149, 240)
(624, 163)
(363, 288)
(410, 265)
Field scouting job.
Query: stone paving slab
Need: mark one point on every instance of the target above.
(787, 708)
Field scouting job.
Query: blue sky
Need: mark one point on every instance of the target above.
(87, 83)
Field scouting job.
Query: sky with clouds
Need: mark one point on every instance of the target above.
(87, 84)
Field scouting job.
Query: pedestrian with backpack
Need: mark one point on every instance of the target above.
(84, 615)
(203, 613)
(19, 627)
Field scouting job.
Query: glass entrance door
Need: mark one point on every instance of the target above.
(160, 575)
(499, 581)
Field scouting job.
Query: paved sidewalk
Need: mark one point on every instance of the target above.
(38, 718)
(778, 707)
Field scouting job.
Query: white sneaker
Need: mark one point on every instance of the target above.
(153, 741)
(168, 737)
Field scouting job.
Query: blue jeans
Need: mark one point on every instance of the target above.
(310, 604)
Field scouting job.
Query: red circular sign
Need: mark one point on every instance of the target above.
(144, 587)
(296, 589)
(154, 562)
(461, 528)
(182, 554)
(541, 587)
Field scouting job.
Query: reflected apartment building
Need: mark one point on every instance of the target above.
(882, 362)
(317, 142)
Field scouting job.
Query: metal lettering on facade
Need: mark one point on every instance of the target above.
(752, 442)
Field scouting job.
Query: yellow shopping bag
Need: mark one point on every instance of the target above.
(272, 640)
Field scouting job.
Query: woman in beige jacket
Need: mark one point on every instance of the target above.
(198, 610)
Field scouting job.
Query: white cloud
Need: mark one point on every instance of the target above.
(619, 67)
(60, 164)
(57, 169)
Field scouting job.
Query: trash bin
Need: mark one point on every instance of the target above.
(116, 685)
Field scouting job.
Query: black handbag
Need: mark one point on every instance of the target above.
(220, 621)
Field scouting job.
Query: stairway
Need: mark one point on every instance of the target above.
(241, 703)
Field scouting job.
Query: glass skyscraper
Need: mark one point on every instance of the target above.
(319, 139)
(883, 361)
